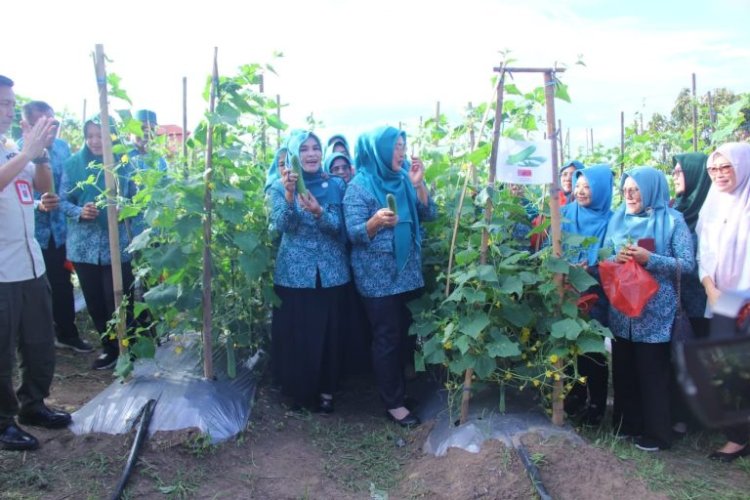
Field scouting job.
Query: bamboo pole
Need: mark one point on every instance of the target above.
(184, 127)
(593, 148)
(695, 118)
(208, 362)
(466, 395)
(622, 142)
(83, 116)
(560, 142)
(111, 191)
(264, 140)
(558, 412)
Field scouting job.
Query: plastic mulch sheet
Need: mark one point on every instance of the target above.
(174, 378)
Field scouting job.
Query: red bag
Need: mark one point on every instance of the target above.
(628, 286)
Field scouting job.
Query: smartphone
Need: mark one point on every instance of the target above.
(648, 244)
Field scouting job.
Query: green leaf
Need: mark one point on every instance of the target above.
(566, 328)
(569, 309)
(519, 315)
(252, 267)
(580, 279)
(462, 344)
(419, 362)
(161, 295)
(484, 367)
(474, 296)
(487, 273)
(557, 265)
(591, 343)
(474, 324)
(247, 242)
(124, 366)
(561, 91)
(502, 346)
(140, 241)
(512, 284)
(511, 89)
(144, 347)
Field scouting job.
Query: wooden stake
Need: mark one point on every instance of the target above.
(111, 191)
(622, 142)
(263, 145)
(593, 149)
(468, 375)
(184, 127)
(208, 362)
(695, 118)
(560, 142)
(83, 116)
(558, 413)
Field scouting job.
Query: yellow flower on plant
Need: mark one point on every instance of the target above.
(124, 159)
(554, 358)
(508, 375)
(525, 333)
(548, 373)
(582, 379)
(113, 137)
(556, 376)
(112, 336)
(447, 345)
(125, 342)
(536, 383)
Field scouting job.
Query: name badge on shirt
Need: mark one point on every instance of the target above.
(25, 194)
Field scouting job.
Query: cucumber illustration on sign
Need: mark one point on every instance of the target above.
(297, 169)
(391, 200)
(524, 159)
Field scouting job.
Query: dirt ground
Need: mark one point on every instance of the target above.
(353, 454)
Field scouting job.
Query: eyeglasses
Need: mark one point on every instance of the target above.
(676, 172)
(631, 192)
(723, 169)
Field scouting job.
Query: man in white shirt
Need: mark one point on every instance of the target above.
(26, 323)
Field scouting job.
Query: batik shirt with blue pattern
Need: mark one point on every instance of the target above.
(374, 260)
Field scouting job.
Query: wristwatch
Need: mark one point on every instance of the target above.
(41, 159)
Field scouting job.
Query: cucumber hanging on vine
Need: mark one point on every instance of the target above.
(297, 169)
(391, 200)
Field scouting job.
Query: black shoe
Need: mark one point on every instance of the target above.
(410, 420)
(325, 405)
(720, 456)
(14, 438)
(75, 343)
(106, 361)
(649, 444)
(44, 417)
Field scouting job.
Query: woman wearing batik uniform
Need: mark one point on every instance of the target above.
(386, 252)
(691, 184)
(641, 348)
(310, 277)
(566, 195)
(588, 215)
(724, 248)
(88, 235)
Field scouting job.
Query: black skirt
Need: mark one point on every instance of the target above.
(306, 341)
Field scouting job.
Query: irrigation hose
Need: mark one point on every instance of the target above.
(533, 472)
(140, 437)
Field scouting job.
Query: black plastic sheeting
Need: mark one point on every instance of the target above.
(219, 408)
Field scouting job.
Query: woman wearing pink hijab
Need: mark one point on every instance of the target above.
(723, 248)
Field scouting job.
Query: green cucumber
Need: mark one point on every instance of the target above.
(391, 200)
(297, 169)
(517, 158)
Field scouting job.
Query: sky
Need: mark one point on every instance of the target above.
(356, 65)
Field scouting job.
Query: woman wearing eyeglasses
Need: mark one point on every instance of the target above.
(724, 258)
(646, 230)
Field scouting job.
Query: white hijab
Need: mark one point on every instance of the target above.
(724, 225)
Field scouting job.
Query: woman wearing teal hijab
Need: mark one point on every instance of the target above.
(337, 144)
(88, 234)
(588, 215)
(310, 277)
(646, 230)
(386, 252)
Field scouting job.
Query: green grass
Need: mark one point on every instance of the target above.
(357, 455)
(684, 472)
